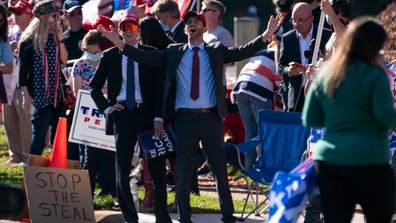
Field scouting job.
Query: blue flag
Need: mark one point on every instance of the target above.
(122, 4)
(290, 192)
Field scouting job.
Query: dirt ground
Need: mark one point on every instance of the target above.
(238, 188)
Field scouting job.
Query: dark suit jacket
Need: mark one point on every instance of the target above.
(178, 36)
(110, 67)
(171, 57)
(290, 52)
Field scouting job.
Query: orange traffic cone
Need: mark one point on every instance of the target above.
(58, 158)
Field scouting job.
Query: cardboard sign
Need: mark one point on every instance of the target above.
(58, 195)
(152, 147)
(88, 126)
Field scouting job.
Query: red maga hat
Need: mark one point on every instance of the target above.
(129, 16)
(101, 19)
(188, 14)
(22, 6)
(140, 3)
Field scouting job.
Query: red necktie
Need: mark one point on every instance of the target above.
(195, 75)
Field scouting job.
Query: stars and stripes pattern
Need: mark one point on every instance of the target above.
(390, 69)
(259, 77)
(46, 79)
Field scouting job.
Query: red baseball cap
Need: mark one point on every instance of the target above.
(188, 14)
(128, 16)
(101, 19)
(140, 3)
(22, 6)
(150, 3)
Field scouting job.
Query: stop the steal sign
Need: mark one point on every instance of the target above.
(58, 195)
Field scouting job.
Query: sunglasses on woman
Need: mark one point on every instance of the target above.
(131, 26)
(73, 13)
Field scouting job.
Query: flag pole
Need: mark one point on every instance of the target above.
(192, 5)
(198, 6)
(318, 38)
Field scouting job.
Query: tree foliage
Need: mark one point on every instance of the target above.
(388, 19)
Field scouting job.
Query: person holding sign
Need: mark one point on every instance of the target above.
(133, 105)
(82, 73)
(195, 95)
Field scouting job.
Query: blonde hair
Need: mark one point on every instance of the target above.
(38, 31)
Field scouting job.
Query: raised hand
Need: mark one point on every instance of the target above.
(111, 35)
(273, 24)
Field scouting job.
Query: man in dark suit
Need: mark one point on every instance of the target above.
(133, 105)
(292, 47)
(168, 15)
(194, 94)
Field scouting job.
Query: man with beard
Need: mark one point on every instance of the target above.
(194, 94)
(133, 105)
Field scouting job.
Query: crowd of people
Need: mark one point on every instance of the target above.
(151, 66)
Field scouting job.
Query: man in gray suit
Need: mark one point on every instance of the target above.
(194, 94)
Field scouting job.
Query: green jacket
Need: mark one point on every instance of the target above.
(357, 118)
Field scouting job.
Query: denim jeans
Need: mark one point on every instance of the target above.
(249, 108)
(44, 118)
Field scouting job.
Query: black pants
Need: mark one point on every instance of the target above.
(100, 162)
(127, 123)
(190, 129)
(73, 149)
(341, 187)
(298, 107)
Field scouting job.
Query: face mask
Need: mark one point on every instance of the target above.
(52, 26)
(164, 27)
(328, 20)
(92, 57)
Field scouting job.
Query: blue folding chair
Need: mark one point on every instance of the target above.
(283, 141)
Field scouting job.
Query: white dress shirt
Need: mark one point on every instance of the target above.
(138, 94)
(207, 98)
(304, 44)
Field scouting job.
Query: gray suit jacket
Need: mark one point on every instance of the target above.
(171, 57)
(290, 52)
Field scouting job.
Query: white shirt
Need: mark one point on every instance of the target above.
(207, 98)
(138, 94)
(304, 44)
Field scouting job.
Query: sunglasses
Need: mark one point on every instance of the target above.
(125, 26)
(18, 13)
(73, 13)
(207, 10)
(54, 16)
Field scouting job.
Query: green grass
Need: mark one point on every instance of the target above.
(13, 175)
